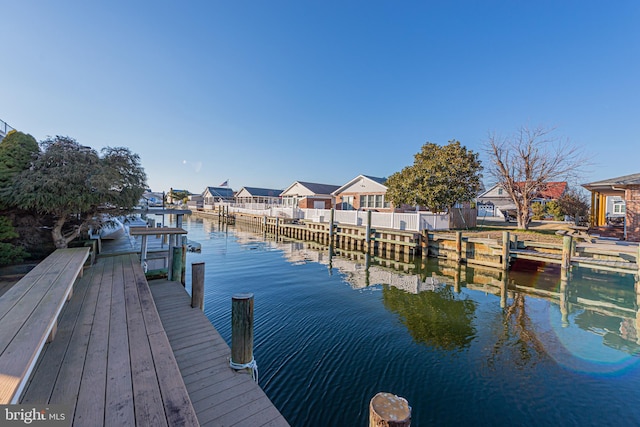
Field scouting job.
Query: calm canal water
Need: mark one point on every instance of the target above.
(330, 333)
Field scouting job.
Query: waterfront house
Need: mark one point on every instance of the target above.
(309, 195)
(616, 198)
(254, 195)
(212, 195)
(497, 202)
(363, 193)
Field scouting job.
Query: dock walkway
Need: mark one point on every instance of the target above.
(110, 362)
(220, 395)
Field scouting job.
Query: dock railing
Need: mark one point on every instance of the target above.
(409, 221)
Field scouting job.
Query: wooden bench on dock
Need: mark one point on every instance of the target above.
(29, 316)
(111, 362)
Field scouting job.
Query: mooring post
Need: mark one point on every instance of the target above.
(242, 332)
(367, 231)
(638, 265)
(424, 243)
(331, 226)
(505, 250)
(176, 263)
(197, 285)
(183, 265)
(566, 251)
(458, 247)
(389, 410)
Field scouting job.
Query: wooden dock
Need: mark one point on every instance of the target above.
(110, 362)
(220, 395)
(124, 355)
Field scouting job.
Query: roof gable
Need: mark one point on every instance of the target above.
(363, 184)
(633, 179)
(255, 191)
(300, 188)
(222, 192)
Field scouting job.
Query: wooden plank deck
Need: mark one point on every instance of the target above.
(220, 395)
(111, 362)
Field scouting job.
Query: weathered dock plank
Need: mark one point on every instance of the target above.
(220, 395)
(112, 363)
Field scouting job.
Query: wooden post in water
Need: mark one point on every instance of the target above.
(197, 285)
(183, 266)
(638, 265)
(367, 237)
(505, 250)
(241, 329)
(458, 247)
(424, 243)
(331, 226)
(176, 263)
(389, 410)
(566, 251)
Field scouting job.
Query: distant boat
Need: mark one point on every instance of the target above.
(193, 246)
(111, 229)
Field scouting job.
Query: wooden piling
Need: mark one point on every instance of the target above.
(638, 265)
(176, 263)
(567, 243)
(331, 226)
(458, 247)
(197, 285)
(242, 328)
(505, 250)
(389, 410)
(424, 243)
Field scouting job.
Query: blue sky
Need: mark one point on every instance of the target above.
(265, 93)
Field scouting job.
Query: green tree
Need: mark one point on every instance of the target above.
(537, 210)
(553, 208)
(440, 177)
(523, 163)
(17, 151)
(9, 253)
(77, 187)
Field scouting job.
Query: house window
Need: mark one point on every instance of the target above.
(619, 208)
(499, 191)
(373, 201)
(347, 203)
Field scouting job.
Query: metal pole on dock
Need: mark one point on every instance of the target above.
(242, 333)
(197, 285)
(389, 410)
(505, 250)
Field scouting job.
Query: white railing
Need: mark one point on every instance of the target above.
(412, 221)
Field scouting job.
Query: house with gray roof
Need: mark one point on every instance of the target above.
(615, 198)
(363, 193)
(309, 195)
(255, 195)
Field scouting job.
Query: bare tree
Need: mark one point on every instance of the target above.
(524, 162)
